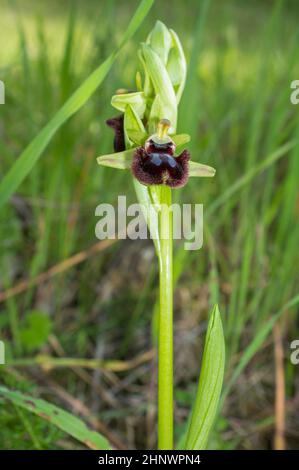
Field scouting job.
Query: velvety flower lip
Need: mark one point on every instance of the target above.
(117, 124)
(156, 162)
(161, 168)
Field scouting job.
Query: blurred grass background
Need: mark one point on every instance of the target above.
(242, 58)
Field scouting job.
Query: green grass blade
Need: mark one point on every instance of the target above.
(210, 384)
(190, 103)
(60, 418)
(256, 344)
(30, 155)
(250, 174)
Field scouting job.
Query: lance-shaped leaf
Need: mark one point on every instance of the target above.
(209, 387)
(120, 160)
(197, 169)
(65, 421)
(165, 103)
(176, 66)
(136, 100)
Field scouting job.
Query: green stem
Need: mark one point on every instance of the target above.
(165, 376)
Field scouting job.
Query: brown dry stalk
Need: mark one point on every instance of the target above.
(279, 438)
(56, 269)
(48, 363)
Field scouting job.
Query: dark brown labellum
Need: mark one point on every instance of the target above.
(156, 164)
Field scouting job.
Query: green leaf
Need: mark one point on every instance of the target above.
(238, 184)
(31, 154)
(256, 344)
(120, 160)
(37, 328)
(65, 421)
(210, 384)
(197, 169)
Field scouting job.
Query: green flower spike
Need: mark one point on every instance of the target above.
(160, 88)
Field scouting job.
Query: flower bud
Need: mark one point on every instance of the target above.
(165, 104)
(160, 40)
(176, 66)
(152, 110)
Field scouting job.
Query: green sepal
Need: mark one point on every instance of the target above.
(136, 100)
(198, 169)
(120, 160)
